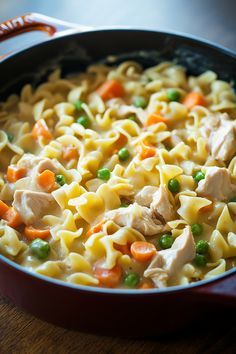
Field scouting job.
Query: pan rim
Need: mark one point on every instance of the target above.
(72, 33)
(93, 289)
(136, 292)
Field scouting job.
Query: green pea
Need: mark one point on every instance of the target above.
(173, 95)
(174, 185)
(131, 280)
(123, 154)
(103, 173)
(40, 248)
(124, 205)
(78, 105)
(60, 179)
(166, 241)
(139, 102)
(197, 229)
(198, 176)
(10, 137)
(133, 118)
(200, 260)
(84, 121)
(232, 200)
(202, 246)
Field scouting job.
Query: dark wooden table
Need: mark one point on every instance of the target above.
(210, 19)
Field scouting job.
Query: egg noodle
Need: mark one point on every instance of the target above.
(120, 177)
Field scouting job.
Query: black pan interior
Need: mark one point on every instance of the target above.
(75, 52)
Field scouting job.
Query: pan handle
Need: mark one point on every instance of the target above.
(37, 22)
(221, 290)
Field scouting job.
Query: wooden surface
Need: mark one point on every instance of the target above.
(211, 19)
(21, 333)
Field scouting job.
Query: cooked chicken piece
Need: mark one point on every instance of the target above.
(145, 195)
(221, 134)
(138, 217)
(29, 161)
(33, 205)
(159, 276)
(169, 262)
(37, 164)
(161, 205)
(157, 198)
(216, 184)
(47, 164)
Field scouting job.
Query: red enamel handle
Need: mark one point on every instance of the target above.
(36, 22)
(221, 290)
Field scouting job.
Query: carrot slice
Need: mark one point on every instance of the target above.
(124, 249)
(31, 233)
(70, 153)
(207, 208)
(121, 141)
(146, 285)
(110, 89)
(142, 251)
(14, 173)
(194, 99)
(13, 218)
(146, 150)
(3, 208)
(154, 118)
(46, 180)
(109, 277)
(41, 129)
(96, 228)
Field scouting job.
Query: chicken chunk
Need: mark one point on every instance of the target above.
(29, 161)
(138, 217)
(157, 198)
(37, 164)
(47, 164)
(169, 262)
(216, 184)
(221, 134)
(33, 205)
(145, 195)
(161, 205)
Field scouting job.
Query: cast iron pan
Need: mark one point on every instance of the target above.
(107, 311)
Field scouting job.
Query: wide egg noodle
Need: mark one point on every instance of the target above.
(83, 201)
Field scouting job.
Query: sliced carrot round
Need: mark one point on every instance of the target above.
(155, 118)
(146, 150)
(3, 208)
(109, 277)
(142, 251)
(14, 173)
(41, 129)
(207, 208)
(70, 153)
(194, 99)
(96, 228)
(121, 141)
(31, 233)
(124, 249)
(110, 89)
(13, 218)
(46, 180)
(146, 285)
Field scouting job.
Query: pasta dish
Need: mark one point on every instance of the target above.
(120, 177)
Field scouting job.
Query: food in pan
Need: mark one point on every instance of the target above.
(120, 177)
